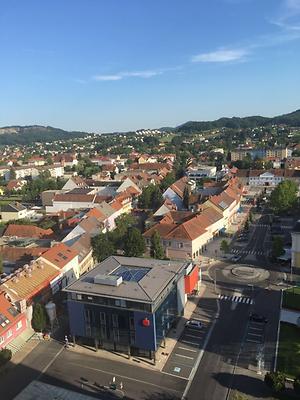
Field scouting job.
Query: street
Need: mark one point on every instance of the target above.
(227, 352)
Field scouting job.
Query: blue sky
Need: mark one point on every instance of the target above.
(106, 65)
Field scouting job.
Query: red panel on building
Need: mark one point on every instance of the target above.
(191, 280)
(146, 322)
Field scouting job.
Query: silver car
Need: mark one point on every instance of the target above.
(193, 323)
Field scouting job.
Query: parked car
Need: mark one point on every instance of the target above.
(235, 258)
(193, 323)
(257, 318)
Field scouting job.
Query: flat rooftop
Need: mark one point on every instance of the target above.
(142, 279)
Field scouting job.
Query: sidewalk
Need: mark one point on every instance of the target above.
(162, 353)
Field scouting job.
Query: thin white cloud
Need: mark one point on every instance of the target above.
(107, 77)
(221, 56)
(128, 74)
(288, 18)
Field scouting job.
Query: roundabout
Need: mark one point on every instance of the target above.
(247, 272)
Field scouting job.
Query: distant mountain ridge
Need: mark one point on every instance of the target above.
(290, 119)
(20, 135)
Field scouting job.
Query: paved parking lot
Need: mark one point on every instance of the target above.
(188, 347)
(254, 345)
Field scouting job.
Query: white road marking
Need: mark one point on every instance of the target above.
(192, 336)
(186, 349)
(180, 355)
(252, 341)
(254, 334)
(189, 342)
(128, 378)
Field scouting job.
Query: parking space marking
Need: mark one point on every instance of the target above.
(255, 334)
(252, 341)
(193, 336)
(255, 329)
(186, 349)
(181, 355)
(189, 342)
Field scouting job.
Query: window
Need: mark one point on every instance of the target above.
(102, 318)
(9, 334)
(1, 339)
(19, 325)
(180, 245)
(79, 297)
(131, 323)
(115, 320)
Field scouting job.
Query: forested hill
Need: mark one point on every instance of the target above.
(11, 135)
(291, 119)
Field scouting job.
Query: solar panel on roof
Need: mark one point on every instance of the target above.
(131, 274)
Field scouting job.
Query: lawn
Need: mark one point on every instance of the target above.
(291, 298)
(289, 350)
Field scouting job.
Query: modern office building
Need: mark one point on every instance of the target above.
(129, 304)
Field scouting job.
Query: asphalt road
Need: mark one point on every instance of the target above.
(186, 352)
(91, 373)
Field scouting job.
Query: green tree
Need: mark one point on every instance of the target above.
(224, 246)
(167, 181)
(238, 396)
(156, 198)
(275, 381)
(250, 218)
(5, 356)
(102, 246)
(12, 173)
(156, 249)
(134, 244)
(39, 317)
(284, 196)
(246, 226)
(277, 246)
(151, 197)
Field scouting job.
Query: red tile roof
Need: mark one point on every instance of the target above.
(10, 315)
(60, 255)
(28, 231)
(179, 186)
(188, 227)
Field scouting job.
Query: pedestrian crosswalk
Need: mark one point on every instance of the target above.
(268, 226)
(254, 252)
(237, 299)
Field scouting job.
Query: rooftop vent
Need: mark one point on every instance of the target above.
(110, 280)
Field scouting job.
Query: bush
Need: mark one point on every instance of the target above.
(5, 356)
(297, 385)
(276, 381)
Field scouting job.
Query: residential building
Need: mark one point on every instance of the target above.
(200, 171)
(28, 231)
(12, 321)
(129, 304)
(267, 178)
(13, 211)
(175, 192)
(15, 185)
(65, 259)
(184, 234)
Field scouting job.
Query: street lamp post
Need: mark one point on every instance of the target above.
(215, 280)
